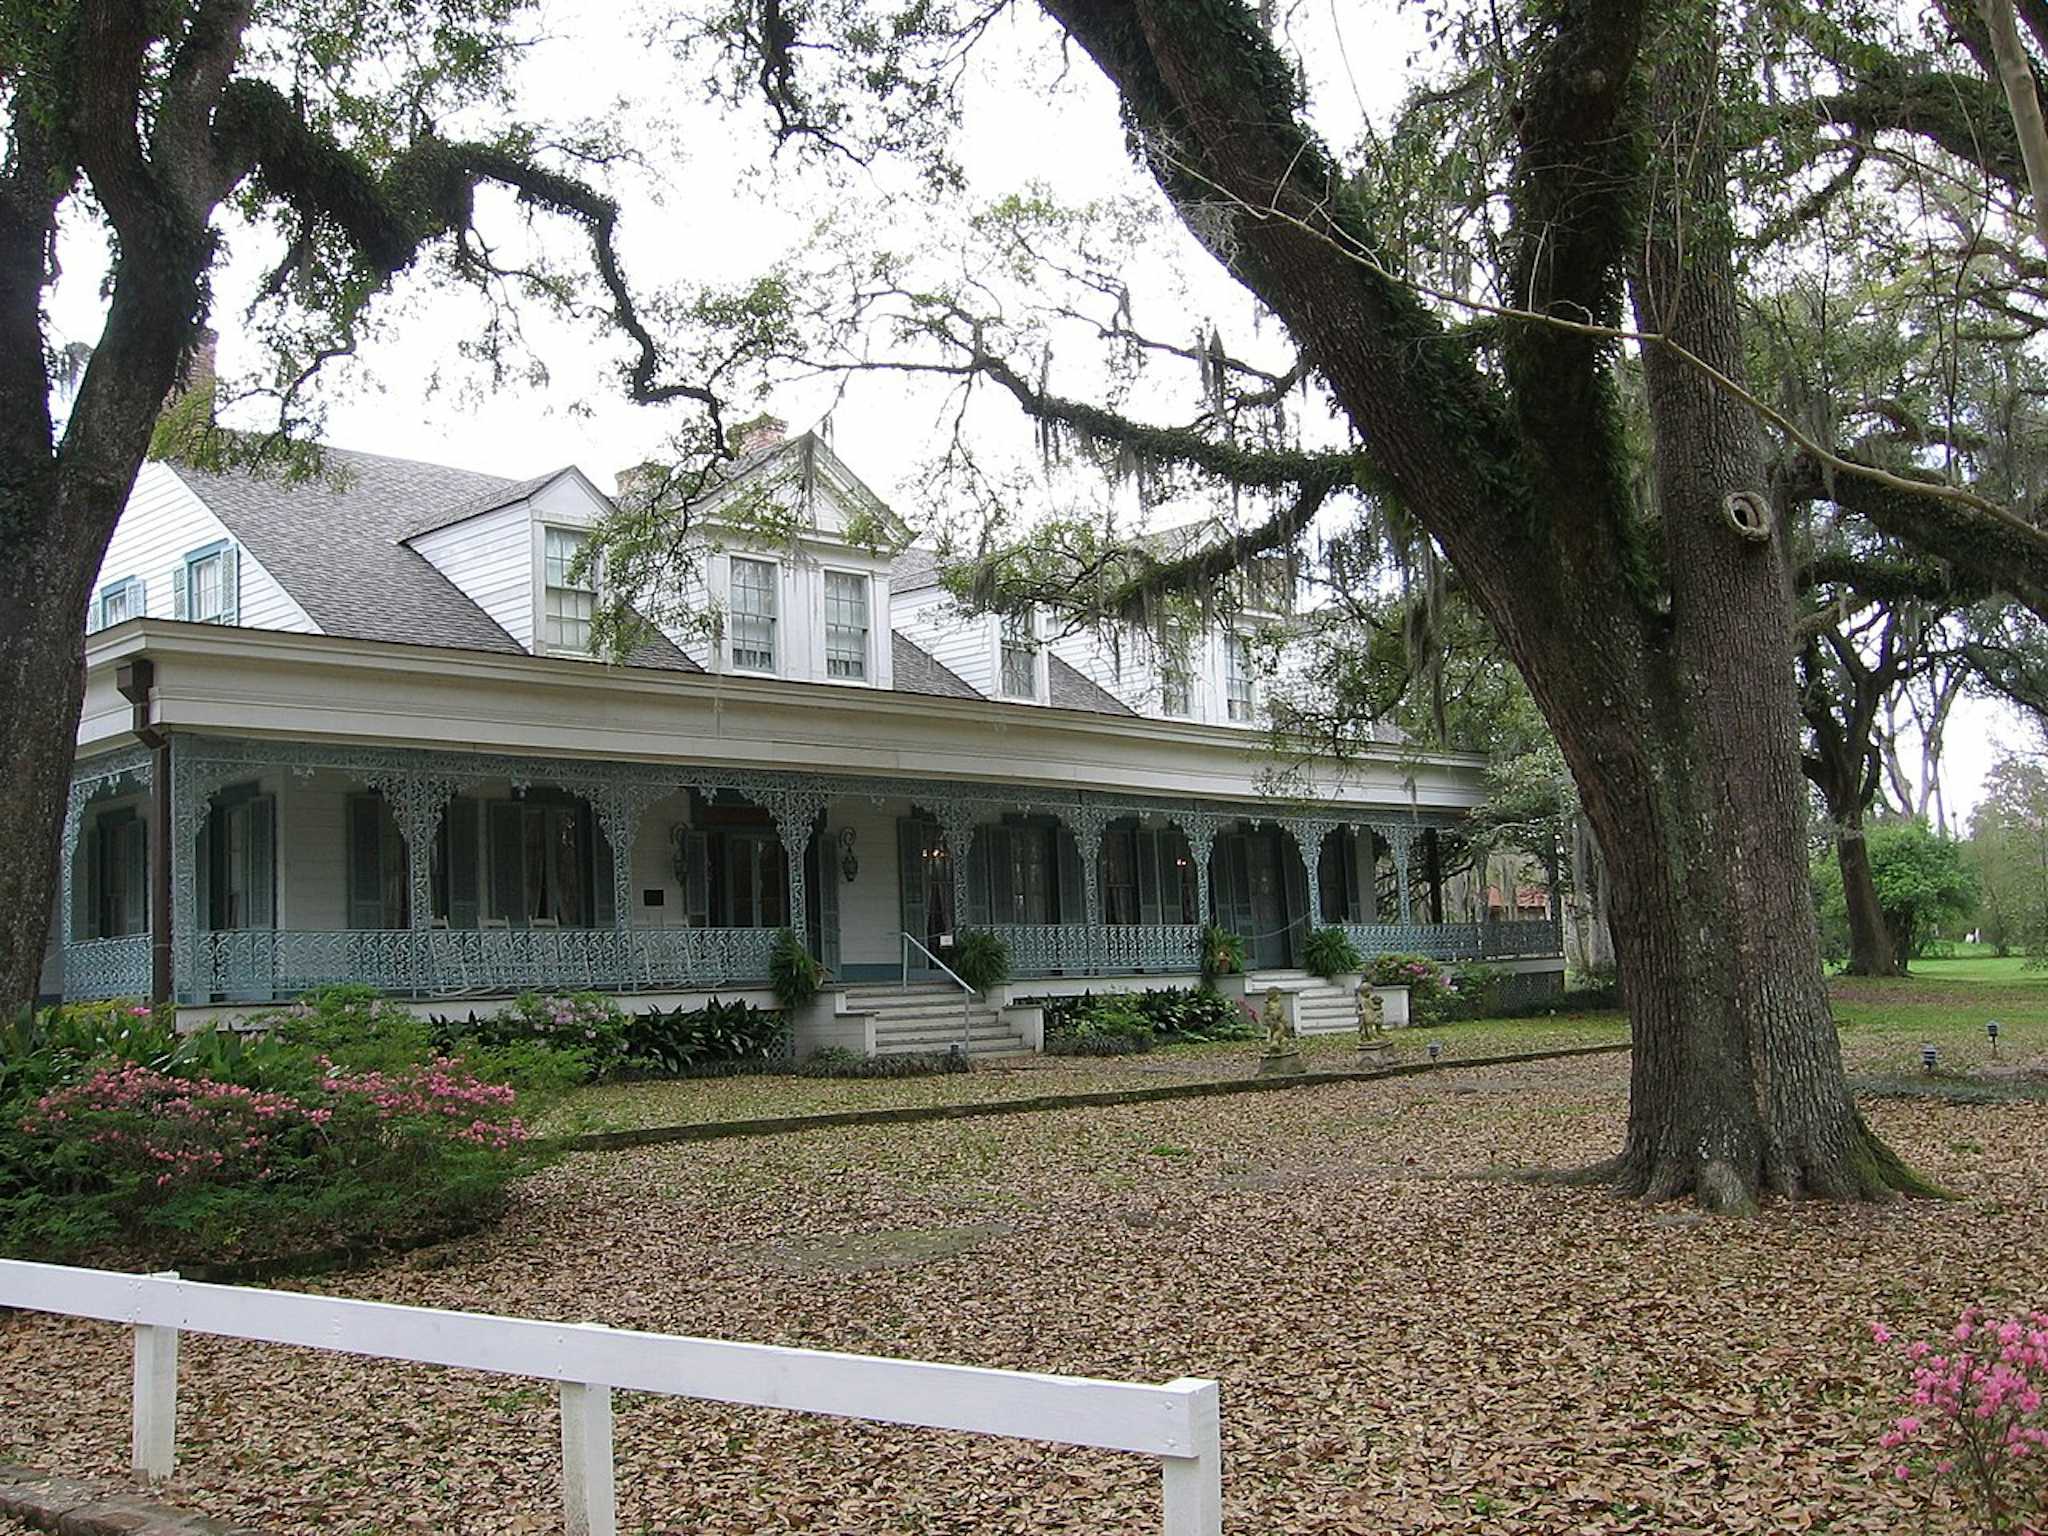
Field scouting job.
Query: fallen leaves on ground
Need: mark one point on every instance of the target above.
(1402, 1346)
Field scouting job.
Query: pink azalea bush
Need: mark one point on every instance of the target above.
(318, 1156)
(1975, 1429)
(1432, 994)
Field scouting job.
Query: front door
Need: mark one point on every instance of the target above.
(1251, 895)
(925, 879)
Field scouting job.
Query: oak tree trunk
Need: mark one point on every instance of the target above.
(1871, 952)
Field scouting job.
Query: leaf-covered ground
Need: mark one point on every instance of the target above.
(1406, 1340)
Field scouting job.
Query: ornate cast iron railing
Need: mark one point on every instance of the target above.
(97, 968)
(258, 965)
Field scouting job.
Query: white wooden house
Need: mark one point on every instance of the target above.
(364, 713)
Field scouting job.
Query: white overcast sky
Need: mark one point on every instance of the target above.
(696, 217)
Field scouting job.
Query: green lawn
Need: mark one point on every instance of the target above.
(1944, 1003)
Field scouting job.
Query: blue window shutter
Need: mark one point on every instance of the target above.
(231, 585)
(181, 591)
(141, 608)
(85, 885)
(697, 879)
(464, 858)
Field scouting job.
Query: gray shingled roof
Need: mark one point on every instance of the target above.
(502, 494)
(332, 542)
(1072, 689)
(918, 671)
(915, 570)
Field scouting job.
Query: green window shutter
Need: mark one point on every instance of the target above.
(464, 894)
(85, 885)
(697, 879)
(231, 585)
(910, 835)
(365, 861)
(1150, 856)
(508, 862)
(988, 877)
(1072, 903)
(824, 879)
(262, 861)
(135, 856)
(181, 591)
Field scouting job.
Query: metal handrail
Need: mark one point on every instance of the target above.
(968, 993)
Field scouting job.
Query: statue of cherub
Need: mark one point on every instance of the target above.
(1279, 1032)
(1372, 1018)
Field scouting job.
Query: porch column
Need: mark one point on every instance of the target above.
(1433, 851)
(74, 821)
(1308, 833)
(795, 807)
(194, 782)
(417, 801)
(957, 819)
(1087, 823)
(1199, 827)
(1552, 877)
(1400, 836)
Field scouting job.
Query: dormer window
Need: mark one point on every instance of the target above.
(1020, 655)
(208, 585)
(118, 600)
(846, 625)
(753, 615)
(571, 597)
(1237, 676)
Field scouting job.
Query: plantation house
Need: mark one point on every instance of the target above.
(352, 729)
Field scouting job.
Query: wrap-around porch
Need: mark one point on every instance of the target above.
(445, 874)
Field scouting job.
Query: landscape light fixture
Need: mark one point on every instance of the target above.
(1436, 1051)
(1991, 1034)
(1927, 1056)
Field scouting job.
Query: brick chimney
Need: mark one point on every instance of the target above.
(637, 485)
(763, 431)
(201, 375)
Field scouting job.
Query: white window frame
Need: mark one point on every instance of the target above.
(855, 661)
(771, 619)
(129, 592)
(1010, 628)
(220, 557)
(1240, 692)
(552, 620)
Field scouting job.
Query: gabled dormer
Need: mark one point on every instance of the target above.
(513, 552)
(793, 574)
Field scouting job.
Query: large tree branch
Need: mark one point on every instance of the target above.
(181, 145)
(1994, 549)
(427, 193)
(2023, 96)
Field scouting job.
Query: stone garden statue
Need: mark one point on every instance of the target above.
(1372, 1018)
(1279, 1033)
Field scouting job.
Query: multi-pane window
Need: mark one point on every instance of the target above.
(121, 601)
(1020, 656)
(753, 615)
(1176, 677)
(206, 588)
(571, 591)
(1237, 676)
(846, 625)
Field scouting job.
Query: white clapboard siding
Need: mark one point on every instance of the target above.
(162, 523)
(490, 559)
(1177, 1421)
(961, 642)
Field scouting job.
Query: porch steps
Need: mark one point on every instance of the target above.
(1321, 1007)
(927, 1018)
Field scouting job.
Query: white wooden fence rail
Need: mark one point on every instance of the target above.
(1177, 1422)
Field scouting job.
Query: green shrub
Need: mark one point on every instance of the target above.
(586, 1022)
(167, 1167)
(1097, 1045)
(836, 1061)
(1329, 952)
(982, 959)
(1222, 953)
(793, 972)
(718, 1036)
(351, 1026)
(1432, 995)
(1481, 992)
(1176, 1015)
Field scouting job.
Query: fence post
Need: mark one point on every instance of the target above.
(1194, 1483)
(154, 1441)
(589, 1498)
